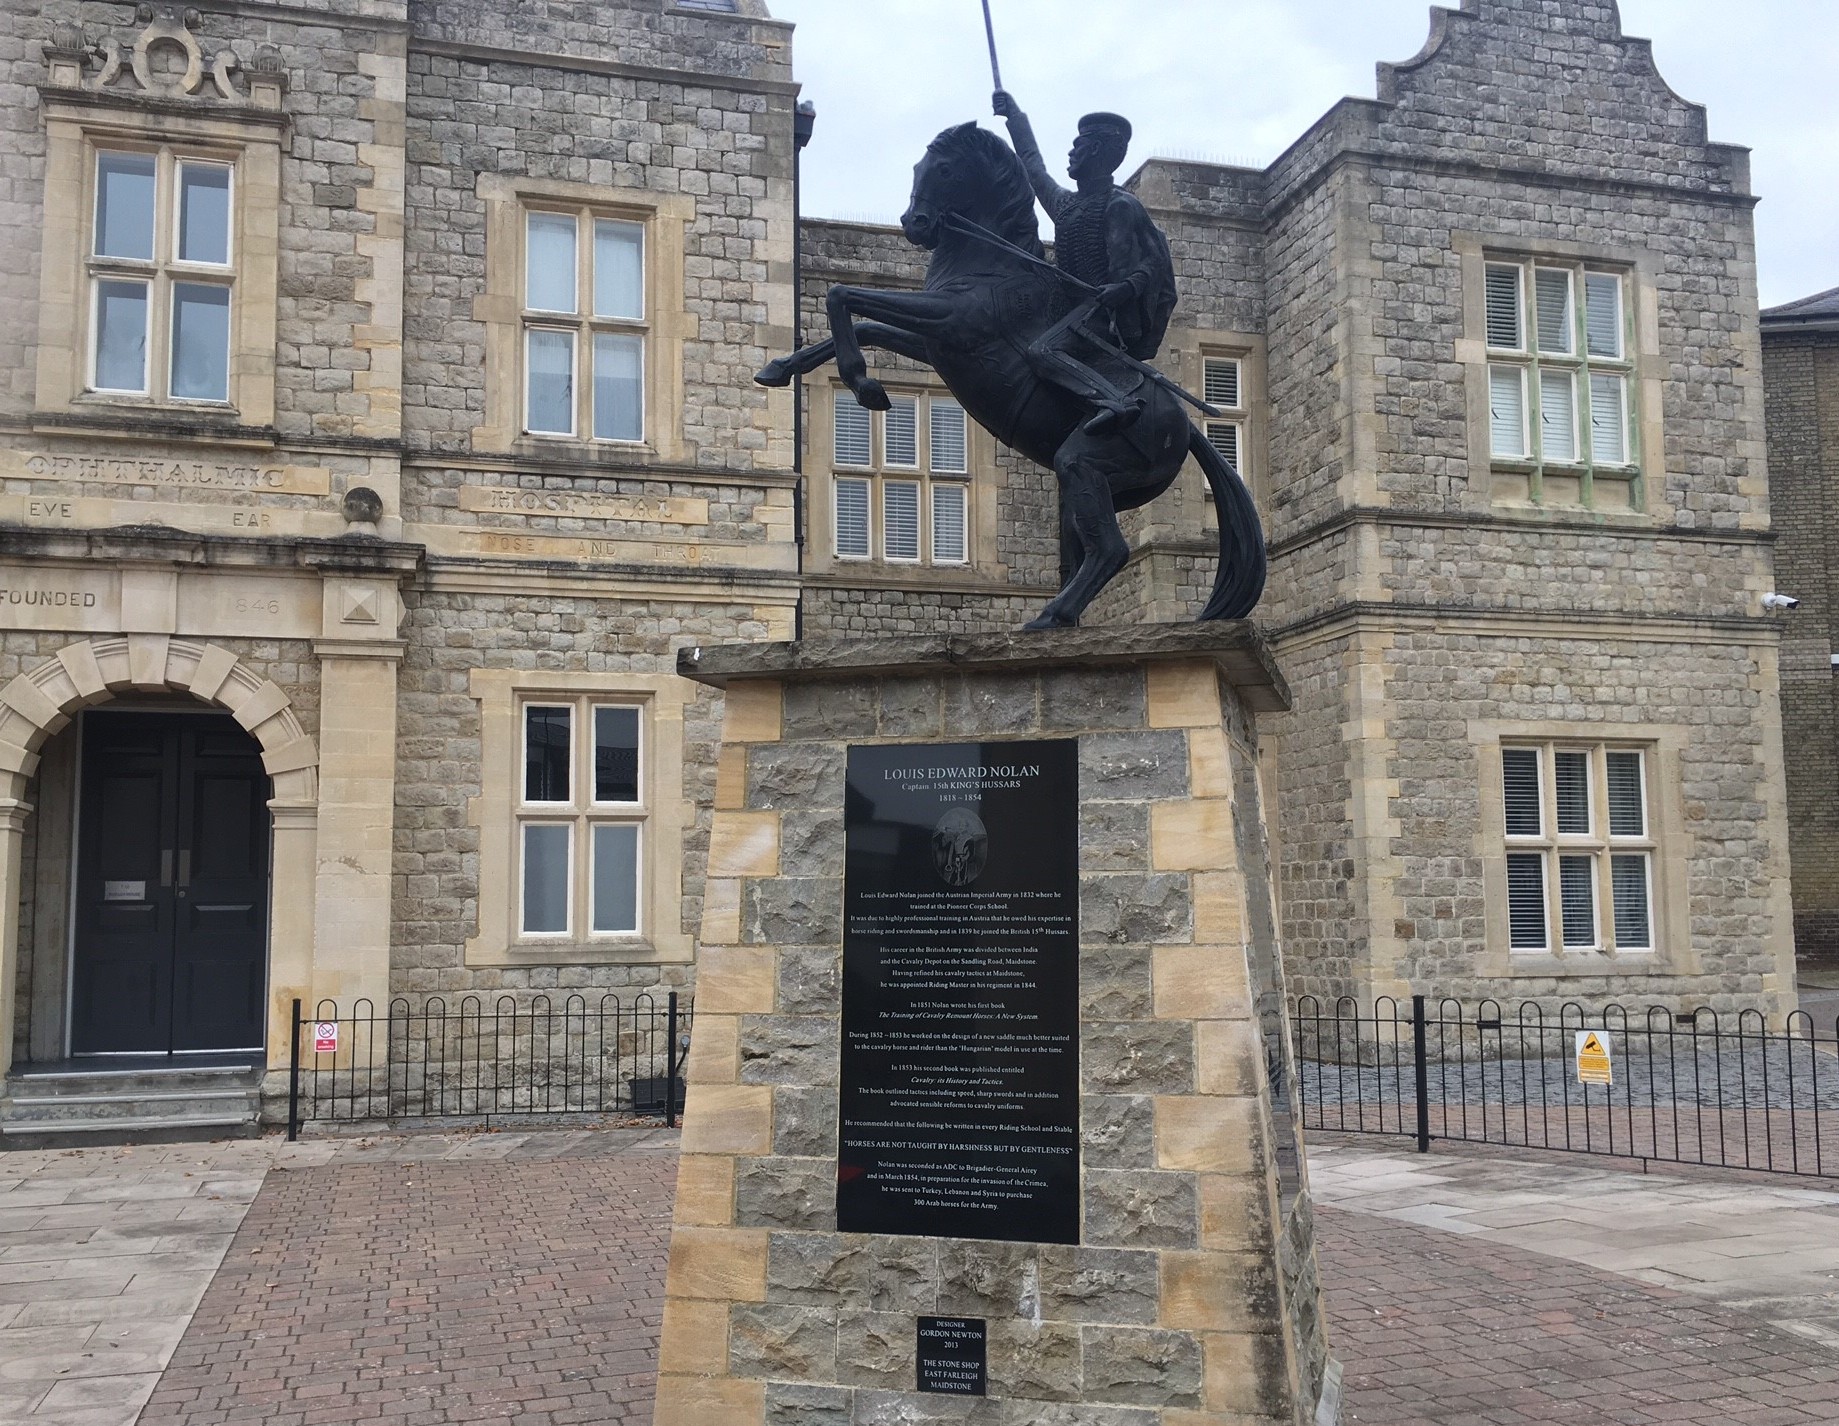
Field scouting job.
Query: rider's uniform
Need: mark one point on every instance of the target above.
(1107, 237)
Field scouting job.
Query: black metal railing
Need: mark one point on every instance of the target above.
(517, 1057)
(1695, 1088)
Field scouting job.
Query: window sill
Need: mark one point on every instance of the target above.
(138, 420)
(1544, 964)
(589, 447)
(572, 953)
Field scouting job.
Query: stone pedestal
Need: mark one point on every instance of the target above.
(1190, 1298)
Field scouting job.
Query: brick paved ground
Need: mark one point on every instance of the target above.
(438, 1280)
(1436, 1329)
(527, 1289)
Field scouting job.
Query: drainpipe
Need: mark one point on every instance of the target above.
(804, 119)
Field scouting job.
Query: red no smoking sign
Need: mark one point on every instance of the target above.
(325, 1037)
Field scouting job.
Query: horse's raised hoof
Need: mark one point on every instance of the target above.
(1046, 619)
(775, 373)
(872, 394)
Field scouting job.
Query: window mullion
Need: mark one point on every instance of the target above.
(1606, 901)
(580, 787)
(584, 312)
(159, 336)
(1548, 819)
(165, 207)
(159, 295)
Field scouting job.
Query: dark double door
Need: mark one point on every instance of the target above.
(171, 944)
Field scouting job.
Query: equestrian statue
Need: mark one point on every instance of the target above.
(1050, 358)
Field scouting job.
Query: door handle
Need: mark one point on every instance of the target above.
(185, 867)
(166, 866)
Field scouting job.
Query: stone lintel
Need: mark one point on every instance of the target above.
(1235, 646)
(161, 545)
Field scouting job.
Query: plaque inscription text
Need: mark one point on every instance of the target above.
(960, 1052)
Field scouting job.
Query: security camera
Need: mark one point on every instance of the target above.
(1773, 600)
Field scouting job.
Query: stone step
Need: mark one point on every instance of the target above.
(61, 1133)
(129, 1086)
(127, 1104)
(232, 1101)
(104, 1078)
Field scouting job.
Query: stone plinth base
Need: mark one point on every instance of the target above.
(1190, 1298)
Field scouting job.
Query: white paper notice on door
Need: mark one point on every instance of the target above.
(124, 891)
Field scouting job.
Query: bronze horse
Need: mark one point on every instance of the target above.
(984, 301)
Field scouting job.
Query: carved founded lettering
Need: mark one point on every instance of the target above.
(584, 505)
(48, 598)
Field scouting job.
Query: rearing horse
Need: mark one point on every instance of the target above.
(984, 302)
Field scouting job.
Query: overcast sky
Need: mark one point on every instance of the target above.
(1235, 81)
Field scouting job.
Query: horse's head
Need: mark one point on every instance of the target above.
(970, 172)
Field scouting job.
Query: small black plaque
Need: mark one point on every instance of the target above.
(951, 1356)
(960, 1054)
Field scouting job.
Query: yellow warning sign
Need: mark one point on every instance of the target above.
(1593, 1062)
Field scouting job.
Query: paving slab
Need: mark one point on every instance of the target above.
(1740, 1242)
(1441, 1329)
(106, 1254)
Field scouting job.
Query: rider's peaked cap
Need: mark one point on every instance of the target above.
(1106, 123)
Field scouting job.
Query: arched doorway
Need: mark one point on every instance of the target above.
(242, 783)
(169, 884)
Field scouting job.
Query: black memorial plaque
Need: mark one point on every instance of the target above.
(960, 1052)
(952, 1356)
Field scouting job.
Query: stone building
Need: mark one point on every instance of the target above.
(374, 428)
(1800, 373)
(1487, 352)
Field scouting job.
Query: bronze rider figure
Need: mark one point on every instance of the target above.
(1104, 237)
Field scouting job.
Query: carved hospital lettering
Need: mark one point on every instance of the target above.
(584, 505)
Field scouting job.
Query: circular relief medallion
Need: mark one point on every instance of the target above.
(960, 846)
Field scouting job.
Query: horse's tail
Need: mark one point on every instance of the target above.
(1241, 574)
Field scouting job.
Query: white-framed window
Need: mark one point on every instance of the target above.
(584, 325)
(581, 811)
(1223, 387)
(1560, 376)
(162, 274)
(1579, 845)
(900, 483)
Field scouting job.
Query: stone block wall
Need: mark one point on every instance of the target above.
(1400, 574)
(635, 102)
(437, 831)
(1801, 374)
(1190, 1298)
(576, 558)
(1714, 697)
(339, 211)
